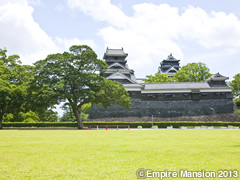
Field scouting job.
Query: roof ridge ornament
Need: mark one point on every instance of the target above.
(170, 57)
(217, 77)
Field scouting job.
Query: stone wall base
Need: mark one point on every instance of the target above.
(208, 118)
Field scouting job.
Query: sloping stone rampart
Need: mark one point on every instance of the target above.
(183, 110)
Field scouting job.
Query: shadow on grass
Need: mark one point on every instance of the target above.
(236, 146)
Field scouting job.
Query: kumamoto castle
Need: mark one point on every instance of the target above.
(211, 100)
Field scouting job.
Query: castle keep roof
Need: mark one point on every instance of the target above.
(171, 58)
(114, 52)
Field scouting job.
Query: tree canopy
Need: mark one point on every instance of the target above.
(16, 95)
(192, 72)
(13, 84)
(73, 77)
(158, 78)
(236, 84)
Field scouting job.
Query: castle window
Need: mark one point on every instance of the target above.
(131, 93)
(217, 93)
(151, 95)
(204, 94)
(115, 58)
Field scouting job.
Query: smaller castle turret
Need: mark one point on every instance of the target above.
(217, 80)
(169, 66)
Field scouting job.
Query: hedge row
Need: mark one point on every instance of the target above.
(120, 124)
(39, 124)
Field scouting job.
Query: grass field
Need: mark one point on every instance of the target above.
(73, 154)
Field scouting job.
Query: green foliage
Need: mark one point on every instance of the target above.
(158, 78)
(236, 84)
(29, 120)
(68, 116)
(8, 117)
(109, 92)
(237, 112)
(192, 72)
(86, 108)
(14, 80)
(84, 116)
(72, 76)
(39, 124)
(47, 115)
(29, 116)
(237, 102)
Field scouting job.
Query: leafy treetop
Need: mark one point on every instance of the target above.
(192, 72)
(72, 76)
(158, 78)
(236, 84)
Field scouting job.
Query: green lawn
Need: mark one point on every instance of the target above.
(75, 154)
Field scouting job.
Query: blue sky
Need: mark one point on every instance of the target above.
(194, 31)
(205, 31)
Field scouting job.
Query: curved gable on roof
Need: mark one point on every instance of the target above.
(118, 75)
(117, 64)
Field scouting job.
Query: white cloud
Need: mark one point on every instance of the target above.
(101, 10)
(154, 31)
(65, 43)
(23, 36)
(23, 2)
(211, 30)
(59, 8)
(34, 2)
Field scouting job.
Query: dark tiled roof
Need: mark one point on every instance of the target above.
(217, 77)
(171, 58)
(115, 52)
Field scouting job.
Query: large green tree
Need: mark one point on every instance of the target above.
(72, 77)
(14, 79)
(158, 78)
(236, 84)
(192, 72)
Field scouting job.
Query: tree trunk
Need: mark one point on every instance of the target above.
(77, 114)
(1, 119)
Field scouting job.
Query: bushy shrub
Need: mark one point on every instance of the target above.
(29, 116)
(237, 102)
(238, 113)
(29, 120)
(8, 117)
